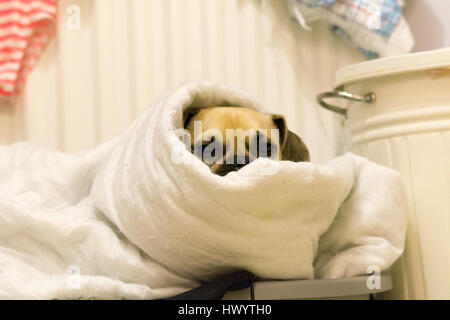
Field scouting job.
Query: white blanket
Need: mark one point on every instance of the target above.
(128, 220)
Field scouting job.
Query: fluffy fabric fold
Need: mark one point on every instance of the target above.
(141, 217)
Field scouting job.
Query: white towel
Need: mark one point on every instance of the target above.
(125, 220)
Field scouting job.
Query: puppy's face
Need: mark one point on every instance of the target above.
(228, 138)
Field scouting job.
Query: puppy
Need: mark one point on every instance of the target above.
(227, 138)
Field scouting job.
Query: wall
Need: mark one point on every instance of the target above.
(429, 22)
(91, 83)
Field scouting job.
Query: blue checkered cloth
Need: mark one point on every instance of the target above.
(356, 21)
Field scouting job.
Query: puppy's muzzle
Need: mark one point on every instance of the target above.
(233, 164)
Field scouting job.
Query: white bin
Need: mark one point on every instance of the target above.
(405, 125)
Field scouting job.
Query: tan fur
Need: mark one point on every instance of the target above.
(222, 118)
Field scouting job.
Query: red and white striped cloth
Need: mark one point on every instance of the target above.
(25, 28)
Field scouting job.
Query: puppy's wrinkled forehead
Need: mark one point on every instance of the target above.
(223, 118)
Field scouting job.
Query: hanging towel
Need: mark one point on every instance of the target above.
(376, 28)
(25, 28)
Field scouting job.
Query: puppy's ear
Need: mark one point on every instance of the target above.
(292, 147)
(188, 114)
(280, 122)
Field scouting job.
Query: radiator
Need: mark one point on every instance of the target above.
(93, 81)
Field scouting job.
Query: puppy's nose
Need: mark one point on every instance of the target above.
(238, 161)
(226, 168)
(232, 164)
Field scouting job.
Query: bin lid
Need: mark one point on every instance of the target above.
(427, 60)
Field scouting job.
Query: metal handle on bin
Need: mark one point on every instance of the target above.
(369, 98)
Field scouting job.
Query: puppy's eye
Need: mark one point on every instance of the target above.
(211, 143)
(199, 148)
(213, 151)
(267, 150)
(264, 147)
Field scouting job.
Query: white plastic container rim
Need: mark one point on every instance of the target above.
(409, 63)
